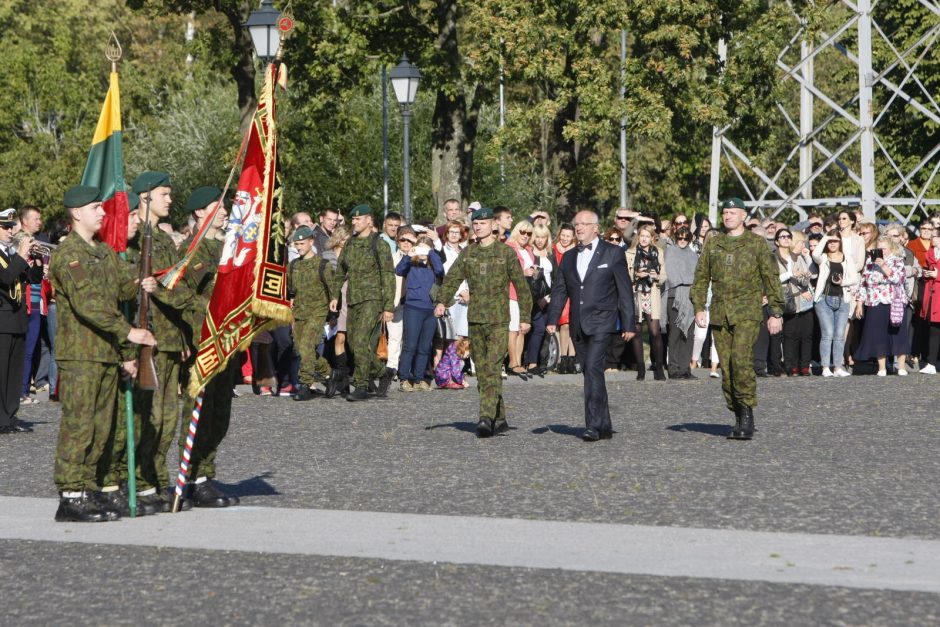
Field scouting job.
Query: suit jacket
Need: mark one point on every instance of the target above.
(14, 273)
(601, 299)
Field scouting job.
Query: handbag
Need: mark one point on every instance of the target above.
(538, 286)
(381, 347)
(445, 327)
(789, 301)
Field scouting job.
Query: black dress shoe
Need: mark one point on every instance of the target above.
(81, 509)
(303, 392)
(19, 427)
(359, 394)
(761, 374)
(384, 382)
(688, 376)
(606, 435)
(591, 435)
(484, 428)
(207, 494)
(500, 426)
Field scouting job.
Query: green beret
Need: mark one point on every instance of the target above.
(360, 210)
(133, 201)
(201, 197)
(733, 203)
(484, 213)
(147, 181)
(81, 195)
(302, 233)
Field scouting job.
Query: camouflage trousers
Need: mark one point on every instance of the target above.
(361, 322)
(88, 393)
(488, 345)
(307, 335)
(158, 412)
(213, 420)
(114, 460)
(735, 346)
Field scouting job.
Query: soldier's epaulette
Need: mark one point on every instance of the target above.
(77, 271)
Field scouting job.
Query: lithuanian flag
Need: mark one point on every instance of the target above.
(105, 169)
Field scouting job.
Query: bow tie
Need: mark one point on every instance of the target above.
(583, 247)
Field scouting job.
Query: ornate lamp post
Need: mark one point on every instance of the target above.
(265, 30)
(405, 78)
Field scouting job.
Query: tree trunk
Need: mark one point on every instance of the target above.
(243, 69)
(447, 134)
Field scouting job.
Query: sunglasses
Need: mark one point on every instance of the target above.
(614, 239)
(409, 241)
(683, 239)
(525, 232)
(784, 236)
(623, 217)
(812, 224)
(679, 223)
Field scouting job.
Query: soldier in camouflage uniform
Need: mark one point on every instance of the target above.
(159, 410)
(366, 262)
(95, 341)
(741, 271)
(489, 267)
(216, 413)
(308, 281)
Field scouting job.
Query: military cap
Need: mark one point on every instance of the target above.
(484, 213)
(733, 203)
(202, 196)
(302, 233)
(81, 195)
(133, 201)
(360, 210)
(8, 217)
(147, 181)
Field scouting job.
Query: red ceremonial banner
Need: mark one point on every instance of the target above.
(250, 293)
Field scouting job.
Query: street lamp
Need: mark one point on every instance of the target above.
(405, 78)
(262, 25)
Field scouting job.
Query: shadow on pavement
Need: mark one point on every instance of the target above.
(560, 430)
(255, 486)
(702, 427)
(469, 427)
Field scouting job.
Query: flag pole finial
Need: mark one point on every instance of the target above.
(113, 52)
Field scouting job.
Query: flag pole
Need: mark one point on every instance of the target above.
(187, 453)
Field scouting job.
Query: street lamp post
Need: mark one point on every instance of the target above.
(405, 78)
(265, 29)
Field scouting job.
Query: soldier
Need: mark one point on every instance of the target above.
(308, 280)
(217, 395)
(742, 272)
(489, 267)
(158, 410)
(94, 341)
(366, 263)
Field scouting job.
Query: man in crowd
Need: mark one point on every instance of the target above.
(31, 224)
(308, 280)
(322, 231)
(367, 265)
(15, 274)
(624, 220)
(502, 222)
(489, 267)
(594, 277)
(96, 340)
(452, 211)
(741, 272)
(390, 227)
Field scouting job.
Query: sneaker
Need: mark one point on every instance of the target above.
(406, 386)
(841, 372)
(827, 372)
(883, 373)
(422, 386)
(928, 369)
(714, 374)
(902, 372)
(27, 400)
(265, 391)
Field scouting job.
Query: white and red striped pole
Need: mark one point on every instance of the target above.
(187, 454)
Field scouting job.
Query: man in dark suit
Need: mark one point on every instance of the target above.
(594, 276)
(14, 273)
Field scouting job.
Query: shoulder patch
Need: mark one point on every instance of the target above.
(77, 271)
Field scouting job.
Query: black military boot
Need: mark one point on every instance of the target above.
(484, 428)
(168, 496)
(384, 382)
(207, 494)
(82, 508)
(303, 392)
(116, 500)
(738, 429)
(359, 394)
(748, 422)
(500, 425)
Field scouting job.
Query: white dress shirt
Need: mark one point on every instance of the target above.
(585, 255)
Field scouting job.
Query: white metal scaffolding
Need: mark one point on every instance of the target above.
(895, 85)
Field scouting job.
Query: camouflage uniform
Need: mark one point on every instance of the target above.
(311, 306)
(158, 410)
(366, 262)
(488, 271)
(89, 281)
(741, 271)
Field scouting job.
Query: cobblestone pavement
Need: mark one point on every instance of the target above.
(852, 456)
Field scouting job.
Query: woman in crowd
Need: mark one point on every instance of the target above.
(448, 369)
(421, 269)
(567, 364)
(859, 242)
(930, 306)
(405, 238)
(793, 262)
(541, 284)
(339, 379)
(703, 227)
(703, 335)
(519, 240)
(644, 262)
(680, 271)
(836, 278)
(881, 303)
(616, 346)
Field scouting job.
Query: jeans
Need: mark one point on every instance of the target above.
(832, 330)
(536, 336)
(34, 322)
(420, 327)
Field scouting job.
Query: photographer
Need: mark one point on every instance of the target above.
(648, 277)
(831, 300)
(421, 270)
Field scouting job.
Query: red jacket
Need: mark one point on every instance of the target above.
(930, 309)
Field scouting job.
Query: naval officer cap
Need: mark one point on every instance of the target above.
(483, 213)
(733, 203)
(202, 197)
(302, 233)
(147, 181)
(7, 217)
(360, 210)
(81, 195)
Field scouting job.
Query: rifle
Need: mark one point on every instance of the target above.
(147, 378)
